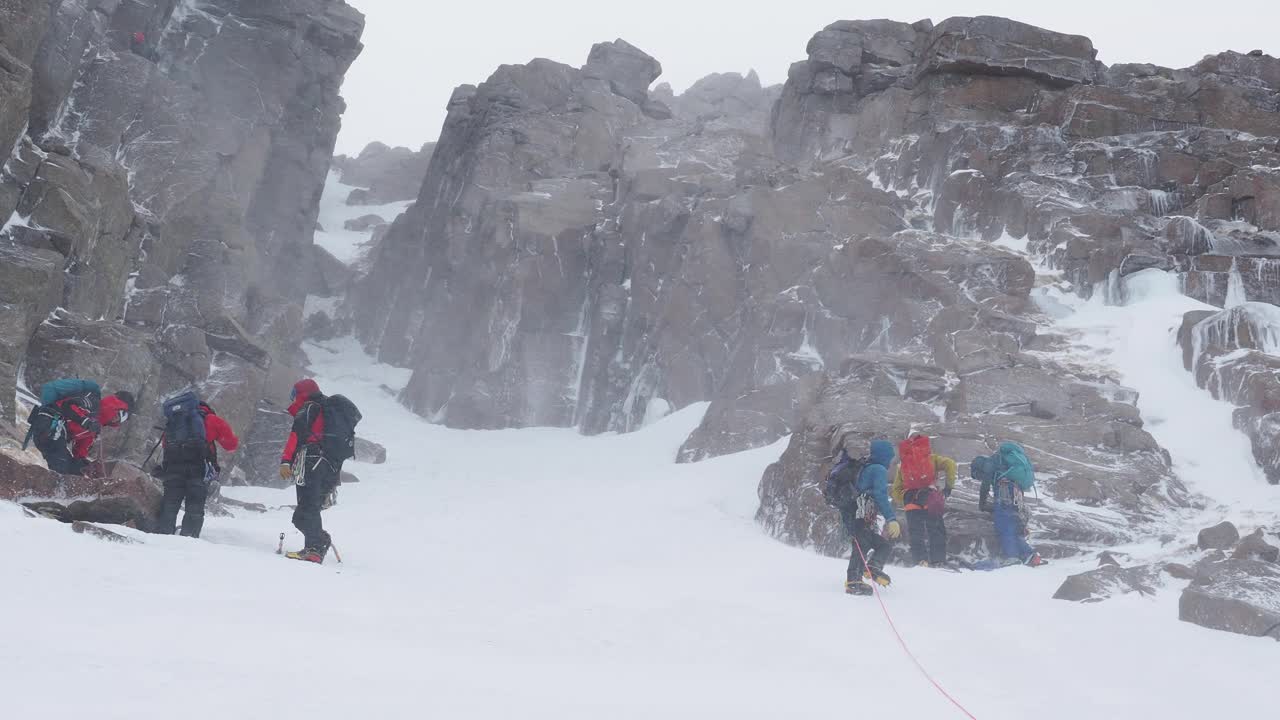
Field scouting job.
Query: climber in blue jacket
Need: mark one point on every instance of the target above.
(870, 549)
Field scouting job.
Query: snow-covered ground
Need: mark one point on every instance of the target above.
(349, 246)
(540, 574)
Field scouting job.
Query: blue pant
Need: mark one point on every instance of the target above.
(1009, 532)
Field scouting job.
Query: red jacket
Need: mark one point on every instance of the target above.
(82, 427)
(218, 430)
(308, 419)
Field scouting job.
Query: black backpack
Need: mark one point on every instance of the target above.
(184, 434)
(340, 419)
(840, 489)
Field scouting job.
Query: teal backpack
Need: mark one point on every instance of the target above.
(1017, 467)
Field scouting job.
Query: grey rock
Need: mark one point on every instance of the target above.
(1219, 537)
(1239, 596)
(364, 223)
(1255, 547)
(85, 528)
(1005, 47)
(1109, 581)
(370, 451)
(384, 174)
(627, 69)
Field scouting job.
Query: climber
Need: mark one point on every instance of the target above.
(922, 482)
(138, 43)
(314, 475)
(190, 467)
(1010, 475)
(860, 489)
(65, 427)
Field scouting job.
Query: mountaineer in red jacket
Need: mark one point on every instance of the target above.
(65, 431)
(303, 462)
(188, 476)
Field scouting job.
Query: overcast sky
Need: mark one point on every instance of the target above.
(416, 52)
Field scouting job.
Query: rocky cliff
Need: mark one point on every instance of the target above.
(159, 197)
(871, 249)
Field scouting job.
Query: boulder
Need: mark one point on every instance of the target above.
(1109, 581)
(1219, 537)
(370, 452)
(364, 223)
(1239, 596)
(1255, 547)
(627, 69)
(125, 497)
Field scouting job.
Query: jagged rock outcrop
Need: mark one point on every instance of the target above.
(383, 174)
(163, 197)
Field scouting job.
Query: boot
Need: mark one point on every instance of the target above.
(1036, 561)
(880, 577)
(857, 587)
(308, 555)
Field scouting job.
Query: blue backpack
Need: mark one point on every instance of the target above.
(1017, 467)
(55, 390)
(184, 434)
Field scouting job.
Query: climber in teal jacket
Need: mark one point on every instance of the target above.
(870, 550)
(874, 479)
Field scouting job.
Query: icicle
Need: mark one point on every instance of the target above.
(1236, 294)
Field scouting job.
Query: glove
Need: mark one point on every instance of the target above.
(893, 529)
(286, 471)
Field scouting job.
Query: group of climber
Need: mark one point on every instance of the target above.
(71, 414)
(860, 488)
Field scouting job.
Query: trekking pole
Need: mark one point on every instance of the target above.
(280, 547)
(153, 452)
(337, 555)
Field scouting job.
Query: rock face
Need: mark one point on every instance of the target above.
(123, 497)
(1233, 354)
(384, 174)
(163, 200)
(839, 260)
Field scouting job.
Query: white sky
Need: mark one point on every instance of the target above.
(417, 51)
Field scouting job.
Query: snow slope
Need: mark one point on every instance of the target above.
(349, 246)
(540, 574)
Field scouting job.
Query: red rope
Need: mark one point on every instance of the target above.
(875, 586)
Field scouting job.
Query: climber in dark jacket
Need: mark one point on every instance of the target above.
(870, 550)
(314, 475)
(188, 479)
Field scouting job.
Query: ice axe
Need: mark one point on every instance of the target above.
(280, 547)
(337, 555)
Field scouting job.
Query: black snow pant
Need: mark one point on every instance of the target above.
(927, 532)
(58, 457)
(874, 547)
(183, 483)
(318, 479)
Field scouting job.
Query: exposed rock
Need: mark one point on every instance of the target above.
(370, 452)
(1219, 537)
(384, 174)
(125, 497)
(1109, 581)
(160, 196)
(364, 223)
(85, 528)
(628, 69)
(1239, 596)
(1004, 47)
(1255, 547)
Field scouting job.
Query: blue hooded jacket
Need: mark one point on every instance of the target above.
(875, 476)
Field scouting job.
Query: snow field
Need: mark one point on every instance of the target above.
(540, 574)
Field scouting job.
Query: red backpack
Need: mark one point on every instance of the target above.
(917, 462)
